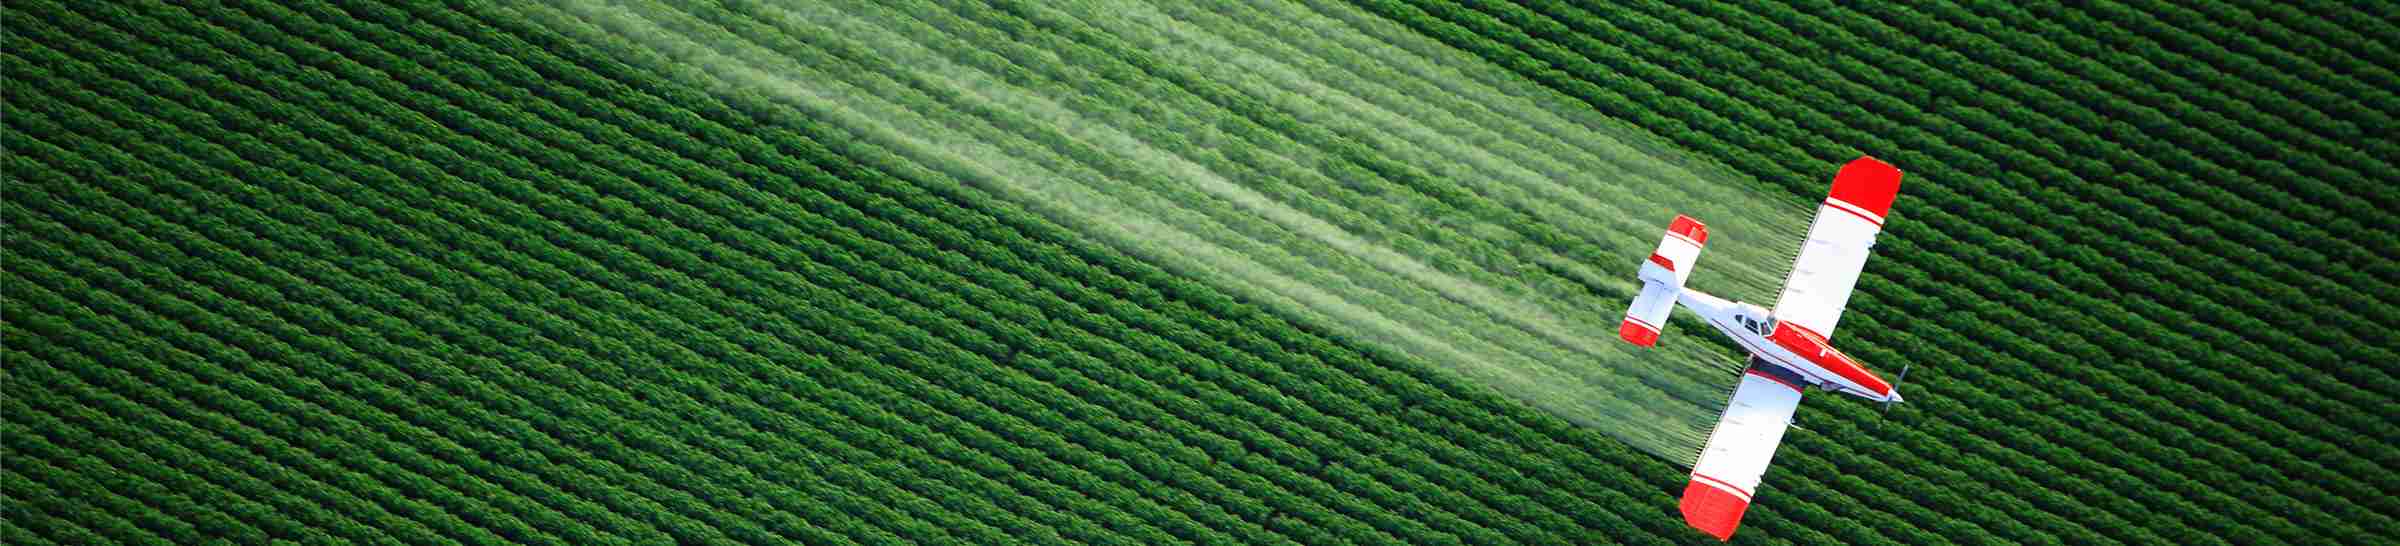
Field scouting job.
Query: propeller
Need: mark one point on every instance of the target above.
(1896, 381)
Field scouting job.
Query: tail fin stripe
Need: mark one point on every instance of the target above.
(1681, 237)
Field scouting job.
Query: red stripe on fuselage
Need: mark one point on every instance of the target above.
(1662, 262)
(1762, 353)
(1809, 345)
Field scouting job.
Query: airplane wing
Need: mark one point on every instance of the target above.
(1836, 249)
(1738, 452)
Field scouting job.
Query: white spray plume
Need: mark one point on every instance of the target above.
(1289, 226)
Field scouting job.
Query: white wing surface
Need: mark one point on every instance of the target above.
(1836, 249)
(1738, 452)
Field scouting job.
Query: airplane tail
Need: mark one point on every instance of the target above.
(1662, 278)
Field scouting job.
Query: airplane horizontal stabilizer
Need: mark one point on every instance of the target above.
(1662, 277)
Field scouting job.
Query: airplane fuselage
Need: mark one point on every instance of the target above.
(1804, 354)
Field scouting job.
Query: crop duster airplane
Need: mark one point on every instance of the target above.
(1789, 351)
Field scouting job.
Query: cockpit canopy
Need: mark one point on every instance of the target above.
(1756, 319)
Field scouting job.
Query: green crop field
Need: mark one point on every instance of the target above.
(580, 272)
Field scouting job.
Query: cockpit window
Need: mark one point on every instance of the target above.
(1760, 328)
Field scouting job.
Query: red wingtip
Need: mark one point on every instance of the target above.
(1868, 184)
(1712, 510)
(1637, 334)
(1689, 227)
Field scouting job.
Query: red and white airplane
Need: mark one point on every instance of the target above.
(1789, 351)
